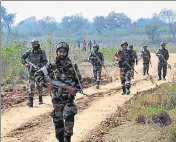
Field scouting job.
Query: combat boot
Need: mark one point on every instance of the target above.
(40, 100)
(164, 78)
(97, 85)
(124, 91)
(128, 92)
(30, 103)
(159, 78)
(147, 73)
(67, 139)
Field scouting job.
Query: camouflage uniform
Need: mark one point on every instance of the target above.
(125, 70)
(135, 59)
(38, 57)
(65, 108)
(97, 65)
(163, 56)
(145, 54)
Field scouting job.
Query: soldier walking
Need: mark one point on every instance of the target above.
(163, 56)
(145, 54)
(125, 59)
(63, 102)
(97, 60)
(38, 58)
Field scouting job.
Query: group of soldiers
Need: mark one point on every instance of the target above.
(128, 58)
(64, 71)
(163, 56)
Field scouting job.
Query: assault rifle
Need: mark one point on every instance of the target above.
(99, 60)
(51, 84)
(162, 56)
(31, 66)
(118, 56)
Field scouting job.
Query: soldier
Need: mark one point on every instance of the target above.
(135, 60)
(163, 56)
(145, 54)
(97, 60)
(37, 57)
(63, 102)
(125, 62)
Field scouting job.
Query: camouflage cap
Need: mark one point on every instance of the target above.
(62, 45)
(144, 45)
(96, 46)
(35, 41)
(162, 43)
(124, 42)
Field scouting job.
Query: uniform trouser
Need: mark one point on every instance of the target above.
(32, 87)
(63, 118)
(97, 73)
(162, 67)
(125, 77)
(145, 68)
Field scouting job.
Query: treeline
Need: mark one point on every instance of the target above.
(113, 25)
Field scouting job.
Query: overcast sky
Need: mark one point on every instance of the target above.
(89, 9)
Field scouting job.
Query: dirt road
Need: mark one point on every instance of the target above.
(21, 124)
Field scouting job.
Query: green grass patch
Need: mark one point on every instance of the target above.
(155, 107)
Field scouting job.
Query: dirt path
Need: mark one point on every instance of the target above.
(98, 110)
